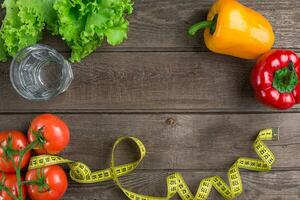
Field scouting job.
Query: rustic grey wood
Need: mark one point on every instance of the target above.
(152, 82)
(162, 25)
(197, 145)
(162, 81)
(193, 110)
(266, 186)
(175, 141)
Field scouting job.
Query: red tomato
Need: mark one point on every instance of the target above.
(19, 142)
(55, 132)
(56, 180)
(10, 181)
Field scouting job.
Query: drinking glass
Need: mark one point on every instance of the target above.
(39, 72)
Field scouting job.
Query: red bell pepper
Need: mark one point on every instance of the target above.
(275, 79)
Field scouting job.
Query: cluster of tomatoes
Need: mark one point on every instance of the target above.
(48, 183)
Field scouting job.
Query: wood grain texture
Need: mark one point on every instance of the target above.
(181, 141)
(152, 82)
(267, 186)
(161, 81)
(162, 25)
(193, 110)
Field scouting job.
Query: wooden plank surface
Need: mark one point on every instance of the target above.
(194, 110)
(195, 144)
(162, 81)
(266, 186)
(158, 81)
(162, 25)
(175, 141)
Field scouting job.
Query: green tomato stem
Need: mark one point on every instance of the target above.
(18, 174)
(40, 182)
(10, 152)
(33, 182)
(18, 168)
(6, 189)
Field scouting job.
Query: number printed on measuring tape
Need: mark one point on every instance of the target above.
(81, 173)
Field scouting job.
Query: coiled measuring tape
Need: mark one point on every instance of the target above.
(81, 173)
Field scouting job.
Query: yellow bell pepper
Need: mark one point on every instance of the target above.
(233, 29)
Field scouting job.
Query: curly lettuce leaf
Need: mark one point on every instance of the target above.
(41, 9)
(24, 22)
(85, 24)
(3, 54)
(11, 19)
(20, 28)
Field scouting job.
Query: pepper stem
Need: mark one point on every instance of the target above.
(286, 79)
(204, 24)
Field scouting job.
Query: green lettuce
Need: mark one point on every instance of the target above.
(40, 9)
(3, 53)
(85, 24)
(20, 28)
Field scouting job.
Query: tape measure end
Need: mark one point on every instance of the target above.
(275, 134)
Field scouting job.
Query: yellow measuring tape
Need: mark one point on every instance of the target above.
(81, 173)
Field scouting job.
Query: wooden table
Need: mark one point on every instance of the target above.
(194, 110)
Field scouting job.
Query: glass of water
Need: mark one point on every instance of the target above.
(39, 72)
